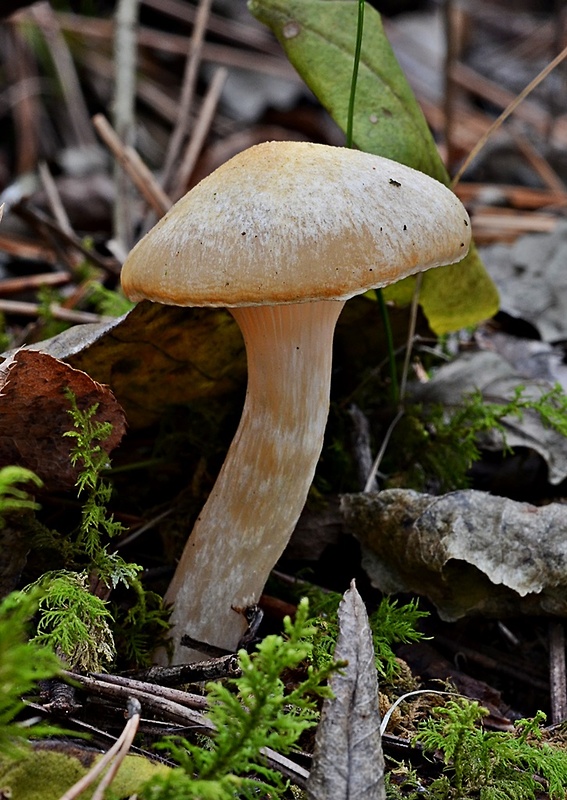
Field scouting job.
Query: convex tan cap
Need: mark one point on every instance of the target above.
(286, 222)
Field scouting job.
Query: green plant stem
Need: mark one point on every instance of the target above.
(349, 143)
(394, 390)
(357, 51)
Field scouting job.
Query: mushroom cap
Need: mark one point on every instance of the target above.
(288, 222)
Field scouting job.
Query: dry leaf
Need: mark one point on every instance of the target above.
(348, 760)
(467, 551)
(157, 356)
(498, 380)
(34, 415)
(531, 278)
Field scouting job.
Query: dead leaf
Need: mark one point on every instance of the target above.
(467, 551)
(497, 380)
(348, 760)
(34, 415)
(157, 356)
(531, 279)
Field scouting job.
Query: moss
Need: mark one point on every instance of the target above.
(45, 773)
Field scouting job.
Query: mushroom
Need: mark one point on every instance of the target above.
(282, 235)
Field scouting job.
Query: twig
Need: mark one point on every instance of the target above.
(26, 282)
(181, 128)
(370, 482)
(182, 715)
(125, 51)
(151, 523)
(126, 740)
(557, 673)
(58, 209)
(54, 198)
(411, 333)
(24, 309)
(208, 110)
(162, 689)
(506, 113)
(22, 96)
(133, 165)
(116, 752)
(40, 220)
(179, 713)
(361, 445)
(243, 34)
(539, 164)
(173, 44)
(449, 98)
(77, 112)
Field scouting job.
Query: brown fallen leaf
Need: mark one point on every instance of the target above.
(348, 761)
(467, 551)
(34, 415)
(157, 356)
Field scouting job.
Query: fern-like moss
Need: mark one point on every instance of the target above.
(252, 712)
(391, 624)
(22, 665)
(436, 446)
(491, 765)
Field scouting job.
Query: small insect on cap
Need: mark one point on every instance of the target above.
(288, 222)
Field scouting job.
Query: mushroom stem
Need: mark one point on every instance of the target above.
(263, 484)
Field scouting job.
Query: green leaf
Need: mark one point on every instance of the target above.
(319, 38)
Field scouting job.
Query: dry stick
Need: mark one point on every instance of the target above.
(371, 480)
(57, 312)
(187, 92)
(23, 98)
(557, 673)
(38, 219)
(22, 248)
(174, 44)
(539, 164)
(108, 758)
(208, 110)
(27, 282)
(449, 12)
(182, 715)
(506, 113)
(133, 165)
(227, 28)
(361, 445)
(54, 198)
(72, 257)
(125, 56)
(132, 685)
(127, 737)
(79, 118)
(146, 90)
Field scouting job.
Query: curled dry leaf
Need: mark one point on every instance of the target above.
(467, 551)
(348, 759)
(34, 415)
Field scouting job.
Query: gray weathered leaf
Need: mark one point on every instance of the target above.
(531, 278)
(497, 380)
(348, 762)
(467, 551)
